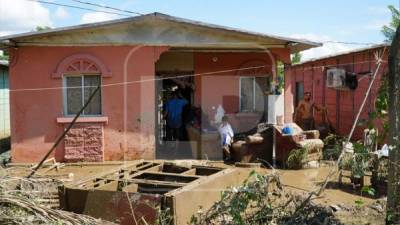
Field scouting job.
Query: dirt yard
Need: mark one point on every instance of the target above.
(340, 198)
(348, 205)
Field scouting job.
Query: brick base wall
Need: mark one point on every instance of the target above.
(84, 142)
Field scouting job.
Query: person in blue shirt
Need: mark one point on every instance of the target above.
(173, 113)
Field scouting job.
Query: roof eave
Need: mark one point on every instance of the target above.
(295, 45)
(345, 53)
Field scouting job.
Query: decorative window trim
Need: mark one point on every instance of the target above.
(81, 64)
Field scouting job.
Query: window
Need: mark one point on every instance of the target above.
(252, 97)
(299, 92)
(77, 92)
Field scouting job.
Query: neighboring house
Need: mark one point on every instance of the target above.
(135, 59)
(4, 107)
(342, 103)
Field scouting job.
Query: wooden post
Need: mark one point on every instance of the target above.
(393, 206)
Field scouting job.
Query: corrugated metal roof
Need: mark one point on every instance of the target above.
(307, 44)
(345, 53)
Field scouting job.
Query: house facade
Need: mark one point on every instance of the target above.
(134, 60)
(342, 104)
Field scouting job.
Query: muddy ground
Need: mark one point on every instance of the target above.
(340, 198)
(349, 205)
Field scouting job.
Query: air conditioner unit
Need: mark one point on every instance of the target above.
(336, 78)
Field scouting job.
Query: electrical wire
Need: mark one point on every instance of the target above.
(349, 43)
(165, 78)
(146, 80)
(78, 7)
(138, 13)
(107, 7)
(335, 65)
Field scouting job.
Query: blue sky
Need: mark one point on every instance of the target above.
(339, 20)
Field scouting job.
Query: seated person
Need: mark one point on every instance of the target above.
(226, 133)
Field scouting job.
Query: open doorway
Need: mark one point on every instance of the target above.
(174, 71)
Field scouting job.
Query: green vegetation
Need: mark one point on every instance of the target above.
(333, 145)
(389, 31)
(4, 56)
(296, 158)
(281, 76)
(261, 199)
(296, 58)
(42, 28)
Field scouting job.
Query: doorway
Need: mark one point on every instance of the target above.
(174, 72)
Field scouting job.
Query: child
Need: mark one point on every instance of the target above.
(226, 133)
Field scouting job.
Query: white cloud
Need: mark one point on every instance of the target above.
(93, 17)
(61, 13)
(21, 16)
(327, 48)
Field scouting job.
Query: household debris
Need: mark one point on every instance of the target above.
(136, 192)
(87, 173)
(33, 201)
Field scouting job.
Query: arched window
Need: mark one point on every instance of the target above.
(81, 64)
(81, 74)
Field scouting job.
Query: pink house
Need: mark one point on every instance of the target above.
(136, 60)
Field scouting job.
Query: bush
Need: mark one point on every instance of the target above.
(333, 145)
(296, 158)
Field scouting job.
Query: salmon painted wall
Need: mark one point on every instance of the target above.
(223, 88)
(34, 114)
(342, 105)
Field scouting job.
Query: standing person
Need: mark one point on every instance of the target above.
(226, 133)
(173, 114)
(303, 114)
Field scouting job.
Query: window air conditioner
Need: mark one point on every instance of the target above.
(336, 78)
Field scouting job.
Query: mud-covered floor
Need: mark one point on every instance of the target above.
(340, 198)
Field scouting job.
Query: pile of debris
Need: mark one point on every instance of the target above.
(33, 201)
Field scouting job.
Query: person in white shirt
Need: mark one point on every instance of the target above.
(226, 133)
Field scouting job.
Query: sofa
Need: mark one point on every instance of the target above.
(249, 151)
(298, 139)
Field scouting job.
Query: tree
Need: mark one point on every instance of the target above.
(40, 28)
(382, 99)
(393, 206)
(296, 58)
(4, 56)
(390, 30)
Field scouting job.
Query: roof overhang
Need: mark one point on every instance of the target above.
(157, 29)
(348, 52)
